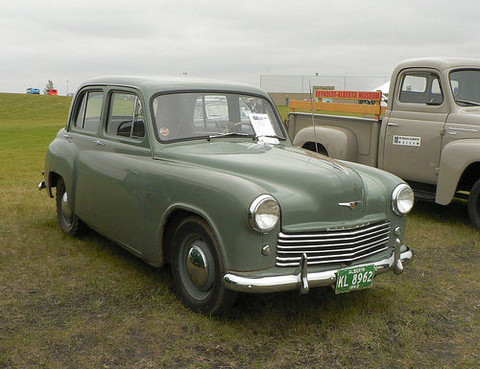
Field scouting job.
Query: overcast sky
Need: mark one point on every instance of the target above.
(234, 40)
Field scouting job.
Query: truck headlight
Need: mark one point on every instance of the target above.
(264, 213)
(402, 199)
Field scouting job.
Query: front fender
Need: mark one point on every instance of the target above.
(456, 157)
(220, 198)
(339, 142)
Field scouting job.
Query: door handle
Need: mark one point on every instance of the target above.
(392, 124)
(98, 143)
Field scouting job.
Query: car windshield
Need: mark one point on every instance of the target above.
(465, 84)
(196, 115)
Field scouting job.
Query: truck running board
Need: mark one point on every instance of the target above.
(424, 195)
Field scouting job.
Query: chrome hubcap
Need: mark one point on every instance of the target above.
(198, 268)
(66, 211)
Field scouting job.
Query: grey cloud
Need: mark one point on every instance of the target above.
(224, 39)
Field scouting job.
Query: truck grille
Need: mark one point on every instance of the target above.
(338, 246)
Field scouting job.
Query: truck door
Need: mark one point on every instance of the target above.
(413, 135)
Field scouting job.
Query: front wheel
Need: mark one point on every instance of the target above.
(68, 220)
(197, 269)
(474, 204)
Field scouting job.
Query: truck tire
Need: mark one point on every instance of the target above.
(474, 204)
(319, 148)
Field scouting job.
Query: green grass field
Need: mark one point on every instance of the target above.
(87, 303)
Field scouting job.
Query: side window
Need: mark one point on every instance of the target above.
(125, 117)
(421, 88)
(89, 111)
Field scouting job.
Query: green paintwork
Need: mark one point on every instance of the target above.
(128, 189)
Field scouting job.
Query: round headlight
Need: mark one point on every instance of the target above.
(402, 199)
(264, 213)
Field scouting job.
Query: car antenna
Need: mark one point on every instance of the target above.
(313, 116)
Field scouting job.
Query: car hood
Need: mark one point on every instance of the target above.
(314, 191)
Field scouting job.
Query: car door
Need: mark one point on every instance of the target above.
(117, 176)
(415, 127)
(83, 136)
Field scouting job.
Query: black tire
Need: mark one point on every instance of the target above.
(197, 269)
(474, 204)
(69, 221)
(315, 148)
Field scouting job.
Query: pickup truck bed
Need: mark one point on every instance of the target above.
(361, 147)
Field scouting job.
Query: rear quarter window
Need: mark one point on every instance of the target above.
(88, 111)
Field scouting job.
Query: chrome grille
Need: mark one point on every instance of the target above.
(338, 246)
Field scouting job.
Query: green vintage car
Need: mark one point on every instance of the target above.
(201, 175)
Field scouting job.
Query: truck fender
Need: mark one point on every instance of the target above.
(339, 142)
(456, 157)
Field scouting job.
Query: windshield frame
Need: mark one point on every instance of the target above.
(208, 137)
(467, 102)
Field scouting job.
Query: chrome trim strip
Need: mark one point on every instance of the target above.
(324, 260)
(333, 246)
(333, 238)
(304, 281)
(330, 253)
(361, 241)
(335, 233)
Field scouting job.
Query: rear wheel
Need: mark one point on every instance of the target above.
(69, 221)
(316, 148)
(197, 269)
(474, 204)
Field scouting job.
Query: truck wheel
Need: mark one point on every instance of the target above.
(316, 148)
(474, 204)
(197, 270)
(69, 221)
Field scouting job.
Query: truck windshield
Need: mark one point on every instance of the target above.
(465, 84)
(197, 115)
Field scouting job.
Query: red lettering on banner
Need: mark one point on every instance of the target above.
(354, 95)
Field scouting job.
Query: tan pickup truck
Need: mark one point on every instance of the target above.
(429, 136)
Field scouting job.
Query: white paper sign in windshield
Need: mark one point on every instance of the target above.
(261, 125)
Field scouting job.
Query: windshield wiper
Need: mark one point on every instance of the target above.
(474, 103)
(273, 136)
(231, 134)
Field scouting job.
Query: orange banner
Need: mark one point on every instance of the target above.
(354, 95)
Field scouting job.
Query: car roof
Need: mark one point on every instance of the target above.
(440, 63)
(153, 85)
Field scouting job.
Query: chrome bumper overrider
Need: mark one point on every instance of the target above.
(303, 280)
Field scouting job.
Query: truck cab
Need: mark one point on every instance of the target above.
(429, 136)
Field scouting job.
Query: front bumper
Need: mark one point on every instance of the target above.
(303, 280)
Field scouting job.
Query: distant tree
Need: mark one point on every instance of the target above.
(48, 87)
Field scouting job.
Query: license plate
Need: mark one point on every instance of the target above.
(355, 278)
